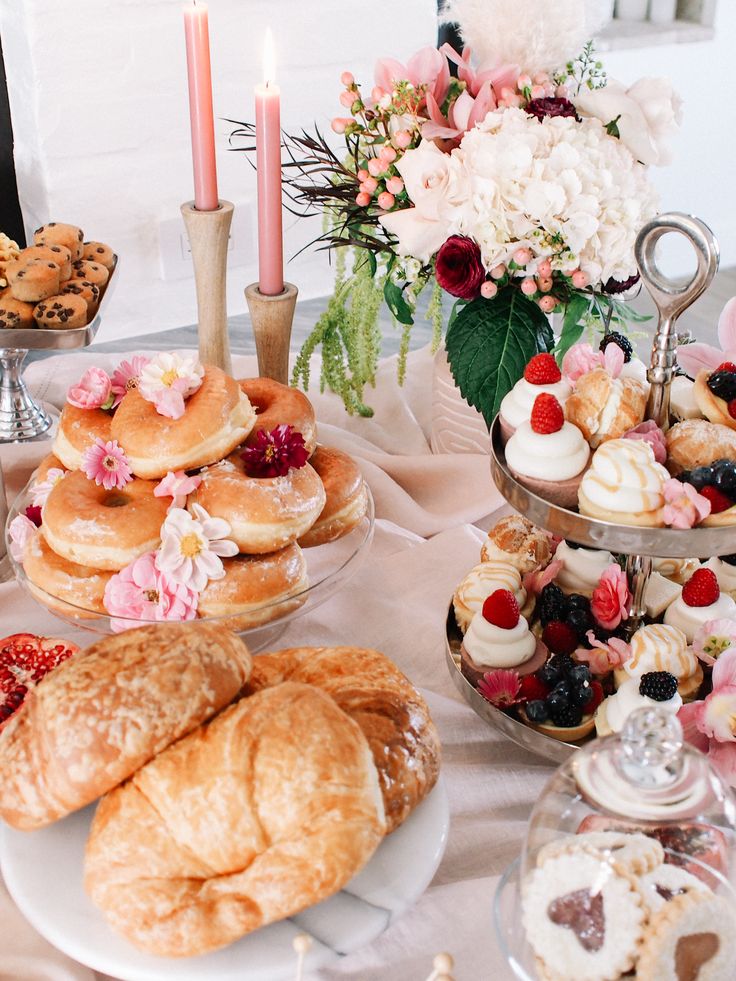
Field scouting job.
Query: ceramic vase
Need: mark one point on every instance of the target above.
(456, 426)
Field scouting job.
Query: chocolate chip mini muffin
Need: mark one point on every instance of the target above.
(61, 312)
(59, 233)
(93, 272)
(82, 287)
(15, 315)
(33, 279)
(59, 254)
(99, 252)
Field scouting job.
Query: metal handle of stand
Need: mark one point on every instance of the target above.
(671, 297)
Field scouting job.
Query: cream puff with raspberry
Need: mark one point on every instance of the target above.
(541, 375)
(547, 454)
(701, 600)
(499, 637)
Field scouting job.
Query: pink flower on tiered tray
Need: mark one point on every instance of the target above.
(178, 486)
(274, 454)
(582, 358)
(427, 69)
(92, 391)
(168, 379)
(603, 657)
(20, 530)
(192, 547)
(126, 376)
(710, 724)
(650, 433)
(693, 358)
(609, 603)
(107, 464)
(534, 582)
(500, 687)
(141, 591)
(713, 638)
(683, 506)
(41, 490)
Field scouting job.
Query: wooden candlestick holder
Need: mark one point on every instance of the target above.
(208, 233)
(272, 317)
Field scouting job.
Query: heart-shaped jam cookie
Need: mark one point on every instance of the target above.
(582, 912)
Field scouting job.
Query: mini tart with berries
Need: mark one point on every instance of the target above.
(701, 600)
(716, 481)
(567, 710)
(541, 375)
(715, 393)
(499, 637)
(547, 454)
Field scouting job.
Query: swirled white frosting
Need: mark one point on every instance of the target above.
(690, 618)
(478, 585)
(725, 574)
(498, 647)
(661, 647)
(581, 569)
(516, 406)
(628, 699)
(624, 477)
(547, 456)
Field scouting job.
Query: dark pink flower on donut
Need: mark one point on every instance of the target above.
(274, 454)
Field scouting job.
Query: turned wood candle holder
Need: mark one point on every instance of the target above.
(208, 233)
(272, 317)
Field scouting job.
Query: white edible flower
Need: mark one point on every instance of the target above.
(192, 547)
(168, 379)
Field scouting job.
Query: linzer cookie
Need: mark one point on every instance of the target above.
(99, 252)
(53, 253)
(93, 272)
(635, 853)
(33, 279)
(664, 883)
(61, 312)
(15, 315)
(59, 233)
(90, 292)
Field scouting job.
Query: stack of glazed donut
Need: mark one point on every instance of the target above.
(89, 533)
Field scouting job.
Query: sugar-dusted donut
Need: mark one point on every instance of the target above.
(78, 430)
(61, 585)
(346, 496)
(265, 513)
(49, 462)
(103, 529)
(277, 405)
(258, 588)
(217, 418)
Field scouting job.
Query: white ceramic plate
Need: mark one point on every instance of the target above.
(43, 873)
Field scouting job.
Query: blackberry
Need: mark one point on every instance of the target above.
(562, 664)
(659, 685)
(555, 702)
(614, 337)
(582, 696)
(551, 604)
(729, 559)
(576, 601)
(702, 477)
(580, 675)
(581, 622)
(570, 715)
(723, 385)
(536, 711)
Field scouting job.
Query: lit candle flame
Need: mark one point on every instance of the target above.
(269, 58)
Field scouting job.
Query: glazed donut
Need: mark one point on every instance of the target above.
(78, 429)
(61, 585)
(277, 405)
(104, 529)
(217, 418)
(265, 513)
(347, 497)
(49, 462)
(256, 588)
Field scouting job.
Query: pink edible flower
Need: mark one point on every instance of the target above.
(427, 69)
(178, 486)
(141, 591)
(710, 724)
(603, 657)
(40, 491)
(613, 360)
(683, 507)
(579, 360)
(713, 638)
(126, 375)
(193, 546)
(609, 603)
(500, 687)
(168, 379)
(107, 464)
(693, 358)
(92, 391)
(534, 582)
(650, 433)
(274, 454)
(20, 531)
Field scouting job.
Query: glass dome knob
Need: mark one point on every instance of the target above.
(651, 744)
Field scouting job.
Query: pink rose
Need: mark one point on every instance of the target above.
(650, 433)
(611, 597)
(92, 391)
(579, 360)
(683, 506)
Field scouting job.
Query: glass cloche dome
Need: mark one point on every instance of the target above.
(629, 866)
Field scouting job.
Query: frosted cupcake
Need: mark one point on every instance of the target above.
(662, 647)
(540, 375)
(478, 585)
(499, 637)
(581, 569)
(624, 484)
(701, 600)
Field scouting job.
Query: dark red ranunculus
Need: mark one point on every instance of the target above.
(459, 269)
(274, 454)
(617, 286)
(550, 107)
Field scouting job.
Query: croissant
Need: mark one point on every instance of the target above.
(392, 714)
(269, 808)
(108, 710)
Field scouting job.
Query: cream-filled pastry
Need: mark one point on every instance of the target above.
(725, 570)
(581, 569)
(624, 484)
(654, 690)
(701, 600)
(603, 407)
(514, 539)
(712, 391)
(662, 647)
(547, 454)
(499, 637)
(541, 375)
(698, 443)
(478, 585)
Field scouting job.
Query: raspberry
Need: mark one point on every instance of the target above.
(732, 408)
(598, 697)
(659, 685)
(501, 609)
(701, 589)
(727, 366)
(560, 637)
(547, 415)
(542, 370)
(718, 500)
(614, 337)
(532, 689)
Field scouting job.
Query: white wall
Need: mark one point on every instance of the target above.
(98, 98)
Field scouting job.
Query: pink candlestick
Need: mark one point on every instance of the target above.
(196, 30)
(268, 159)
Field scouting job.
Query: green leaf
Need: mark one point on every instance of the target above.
(625, 312)
(394, 296)
(456, 308)
(490, 343)
(572, 327)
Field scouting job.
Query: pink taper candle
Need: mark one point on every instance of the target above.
(268, 158)
(196, 30)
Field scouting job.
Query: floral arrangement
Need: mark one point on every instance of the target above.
(518, 187)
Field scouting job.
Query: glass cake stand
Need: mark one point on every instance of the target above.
(21, 417)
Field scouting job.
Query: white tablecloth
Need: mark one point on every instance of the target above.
(397, 603)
